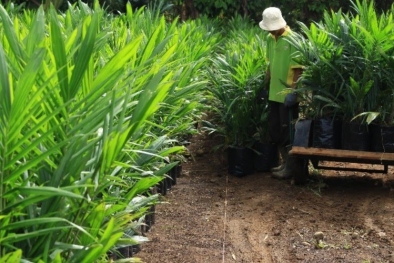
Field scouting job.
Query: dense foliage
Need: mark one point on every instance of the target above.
(236, 78)
(95, 108)
(349, 64)
(305, 11)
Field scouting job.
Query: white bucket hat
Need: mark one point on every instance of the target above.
(272, 19)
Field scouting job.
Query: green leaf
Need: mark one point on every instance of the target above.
(144, 183)
(84, 55)
(108, 240)
(22, 100)
(44, 191)
(14, 43)
(15, 256)
(59, 53)
(36, 32)
(5, 90)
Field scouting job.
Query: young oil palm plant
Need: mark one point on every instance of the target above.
(77, 156)
(354, 65)
(376, 39)
(182, 108)
(321, 52)
(236, 76)
(343, 60)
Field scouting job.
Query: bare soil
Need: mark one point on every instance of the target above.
(211, 216)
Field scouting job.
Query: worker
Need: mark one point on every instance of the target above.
(283, 73)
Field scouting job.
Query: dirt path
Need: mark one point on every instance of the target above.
(210, 216)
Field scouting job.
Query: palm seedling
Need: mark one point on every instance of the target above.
(77, 156)
(236, 76)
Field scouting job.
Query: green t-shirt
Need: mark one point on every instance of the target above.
(280, 54)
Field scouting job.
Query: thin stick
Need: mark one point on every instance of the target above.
(225, 221)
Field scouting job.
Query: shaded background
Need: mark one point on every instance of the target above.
(305, 11)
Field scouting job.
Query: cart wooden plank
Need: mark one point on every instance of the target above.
(347, 155)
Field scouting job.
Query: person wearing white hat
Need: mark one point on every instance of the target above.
(282, 73)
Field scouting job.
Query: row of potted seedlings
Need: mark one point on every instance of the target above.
(148, 220)
(346, 90)
(331, 133)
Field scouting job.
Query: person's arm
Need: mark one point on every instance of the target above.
(291, 98)
(296, 76)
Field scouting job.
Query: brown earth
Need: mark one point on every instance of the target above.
(211, 216)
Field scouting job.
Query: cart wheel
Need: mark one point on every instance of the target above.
(301, 171)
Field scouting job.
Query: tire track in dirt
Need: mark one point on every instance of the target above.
(251, 246)
(248, 224)
(376, 220)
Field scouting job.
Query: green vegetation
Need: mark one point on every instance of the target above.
(237, 75)
(348, 64)
(96, 109)
(93, 107)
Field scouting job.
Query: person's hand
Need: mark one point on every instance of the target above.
(290, 100)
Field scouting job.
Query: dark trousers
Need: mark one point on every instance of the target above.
(279, 125)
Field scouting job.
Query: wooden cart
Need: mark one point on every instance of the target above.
(318, 155)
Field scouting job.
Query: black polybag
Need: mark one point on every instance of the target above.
(355, 136)
(240, 161)
(327, 133)
(265, 157)
(303, 133)
(382, 138)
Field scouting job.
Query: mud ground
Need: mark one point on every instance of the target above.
(211, 216)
